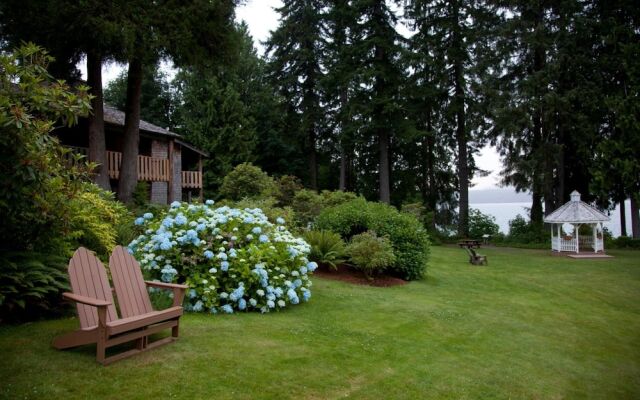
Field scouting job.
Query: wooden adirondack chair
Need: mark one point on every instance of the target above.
(475, 258)
(99, 322)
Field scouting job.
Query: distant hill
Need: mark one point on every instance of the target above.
(501, 195)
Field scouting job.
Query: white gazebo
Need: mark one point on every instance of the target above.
(576, 213)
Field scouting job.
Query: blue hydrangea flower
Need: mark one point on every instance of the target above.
(248, 220)
(175, 204)
(303, 270)
(208, 254)
(192, 293)
(306, 295)
(167, 222)
(198, 306)
(139, 221)
(222, 255)
(209, 202)
(311, 266)
(271, 304)
(147, 215)
(181, 219)
(257, 230)
(224, 266)
(253, 302)
(263, 238)
(280, 221)
(212, 270)
(242, 304)
(227, 308)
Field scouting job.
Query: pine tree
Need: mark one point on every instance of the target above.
(460, 33)
(379, 74)
(294, 53)
(156, 100)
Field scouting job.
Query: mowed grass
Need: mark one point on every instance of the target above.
(529, 326)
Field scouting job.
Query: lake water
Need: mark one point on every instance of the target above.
(504, 212)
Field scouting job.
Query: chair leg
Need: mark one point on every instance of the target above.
(101, 347)
(176, 329)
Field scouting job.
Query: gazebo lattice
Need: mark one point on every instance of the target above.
(576, 213)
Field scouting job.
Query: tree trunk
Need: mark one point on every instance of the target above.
(313, 159)
(343, 170)
(623, 217)
(385, 189)
(635, 220)
(536, 206)
(461, 133)
(97, 141)
(345, 159)
(129, 165)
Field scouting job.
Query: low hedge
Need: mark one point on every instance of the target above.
(409, 239)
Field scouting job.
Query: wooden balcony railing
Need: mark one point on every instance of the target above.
(150, 169)
(191, 179)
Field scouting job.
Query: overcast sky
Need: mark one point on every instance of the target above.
(261, 18)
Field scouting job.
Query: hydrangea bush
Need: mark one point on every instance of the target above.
(232, 259)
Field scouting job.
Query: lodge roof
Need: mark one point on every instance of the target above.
(116, 117)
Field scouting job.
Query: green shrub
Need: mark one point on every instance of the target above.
(370, 253)
(327, 248)
(95, 219)
(141, 194)
(409, 239)
(622, 242)
(36, 182)
(247, 181)
(307, 204)
(31, 283)
(481, 224)
(286, 188)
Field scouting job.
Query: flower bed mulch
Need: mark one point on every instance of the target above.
(348, 274)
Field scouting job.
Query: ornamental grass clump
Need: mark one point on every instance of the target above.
(232, 259)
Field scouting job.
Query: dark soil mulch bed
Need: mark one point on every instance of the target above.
(348, 274)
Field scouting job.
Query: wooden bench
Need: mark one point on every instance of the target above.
(469, 243)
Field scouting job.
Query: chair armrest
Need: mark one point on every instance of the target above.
(178, 290)
(166, 285)
(90, 301)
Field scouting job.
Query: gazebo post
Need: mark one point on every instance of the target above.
(595, 239)
(577, 229)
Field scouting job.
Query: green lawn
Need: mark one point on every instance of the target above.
(529, 326)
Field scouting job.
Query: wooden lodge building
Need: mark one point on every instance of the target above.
(171, 165)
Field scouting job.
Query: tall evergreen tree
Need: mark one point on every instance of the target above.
(217, 111)
(294, 53)
(156, 99)
(377, 49)
(461, 34)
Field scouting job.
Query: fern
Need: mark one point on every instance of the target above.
(327, 248)
(30, 282)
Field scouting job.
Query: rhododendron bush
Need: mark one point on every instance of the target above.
(232, 259)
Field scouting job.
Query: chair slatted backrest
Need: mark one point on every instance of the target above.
(133, 298)
(89, 278)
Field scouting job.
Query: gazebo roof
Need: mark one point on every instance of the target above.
(576, 212)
